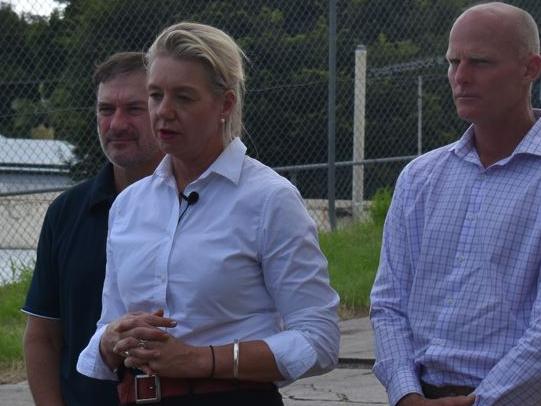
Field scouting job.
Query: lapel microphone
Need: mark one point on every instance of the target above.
(192, 198)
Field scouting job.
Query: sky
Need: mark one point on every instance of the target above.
(41, 7)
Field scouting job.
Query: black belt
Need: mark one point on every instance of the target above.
(437, 392)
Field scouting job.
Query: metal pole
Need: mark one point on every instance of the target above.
(419, 115)
(357, 187)
(332, 115)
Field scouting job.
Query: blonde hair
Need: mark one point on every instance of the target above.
(218, 52)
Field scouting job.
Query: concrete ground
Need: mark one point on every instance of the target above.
(343, 386)
(352, 383)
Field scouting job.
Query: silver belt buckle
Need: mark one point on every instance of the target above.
(152, 384)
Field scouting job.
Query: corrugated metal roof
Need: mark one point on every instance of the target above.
(34, 166)
(31, 152)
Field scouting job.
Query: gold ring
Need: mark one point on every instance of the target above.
(142, 343)
(126, 353)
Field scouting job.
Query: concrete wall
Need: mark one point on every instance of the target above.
(319, 210)
(21, 218)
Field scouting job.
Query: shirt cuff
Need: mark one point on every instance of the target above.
(90, 362)
(292, 352)
(403, 382)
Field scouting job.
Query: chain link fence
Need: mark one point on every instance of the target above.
(392, 97)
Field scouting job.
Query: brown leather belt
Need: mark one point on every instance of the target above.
(437, 392)
(142, 389)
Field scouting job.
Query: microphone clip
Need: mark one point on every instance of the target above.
(192, 198)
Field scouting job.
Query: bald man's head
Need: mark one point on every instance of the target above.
(519, 26)
(493, 59)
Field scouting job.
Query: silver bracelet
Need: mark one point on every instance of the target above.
(236, 358)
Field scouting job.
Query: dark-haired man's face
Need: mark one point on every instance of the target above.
(123, 121)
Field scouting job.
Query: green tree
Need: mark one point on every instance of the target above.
(47, 65)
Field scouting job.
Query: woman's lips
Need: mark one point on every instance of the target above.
(166, 134)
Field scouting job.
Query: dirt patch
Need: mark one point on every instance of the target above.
(13, 372)
(346, 313)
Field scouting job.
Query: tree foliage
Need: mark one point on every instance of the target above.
(47, 65)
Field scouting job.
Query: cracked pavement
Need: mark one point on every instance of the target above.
(339, 387)
(352, 383)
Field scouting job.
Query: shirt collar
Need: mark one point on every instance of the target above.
(464, 145)
(103, 189)
(228, 164)
(530, 144)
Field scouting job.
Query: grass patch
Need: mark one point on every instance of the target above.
(12, 323)
(353, 255)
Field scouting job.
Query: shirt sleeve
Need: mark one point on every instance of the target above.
(394, 367)
(42, 299)
(295, 272)
(515, 379)
(90, 362)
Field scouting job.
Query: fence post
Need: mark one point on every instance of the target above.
(419, 115)
(331, 173)
(357, 189)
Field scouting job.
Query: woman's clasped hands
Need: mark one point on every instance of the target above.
(138, 340)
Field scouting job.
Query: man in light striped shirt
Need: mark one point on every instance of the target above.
(456, 306)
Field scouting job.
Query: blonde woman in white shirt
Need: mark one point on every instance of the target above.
(216, 289)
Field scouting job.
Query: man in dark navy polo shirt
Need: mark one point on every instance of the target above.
(64, 300)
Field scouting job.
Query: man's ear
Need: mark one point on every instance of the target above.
(533, 67)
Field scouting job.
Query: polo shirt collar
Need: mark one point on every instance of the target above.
(228, 164)
(103, 188)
